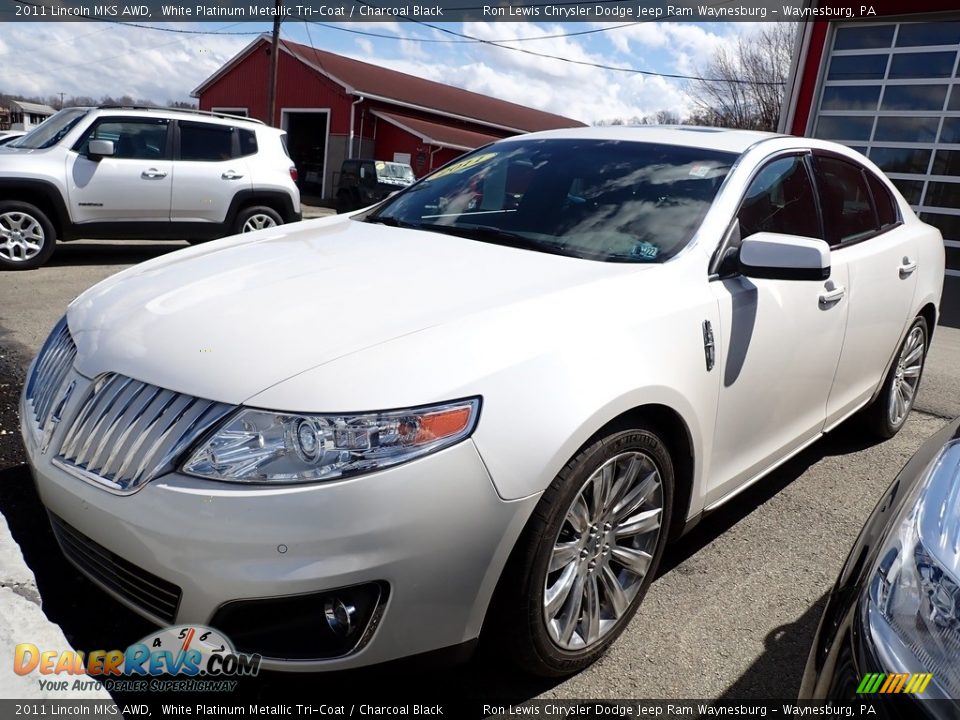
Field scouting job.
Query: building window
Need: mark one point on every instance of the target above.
(892, 91)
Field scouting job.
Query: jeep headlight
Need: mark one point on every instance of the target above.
(912, 606)
(259, 446)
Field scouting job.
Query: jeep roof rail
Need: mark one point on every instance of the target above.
(225, 116)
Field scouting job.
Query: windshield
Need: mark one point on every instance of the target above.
(615, 201)
(50, 131)
(392, 172)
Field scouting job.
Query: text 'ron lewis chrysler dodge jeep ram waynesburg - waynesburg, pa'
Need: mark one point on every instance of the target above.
(485, 404)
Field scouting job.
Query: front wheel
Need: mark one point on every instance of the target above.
(27, 237)
(888, 413)
(255, 218)
(588, 554)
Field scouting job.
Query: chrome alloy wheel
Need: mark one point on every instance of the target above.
(603, 550)
(258, 221)
(21, 236)
(906, 376)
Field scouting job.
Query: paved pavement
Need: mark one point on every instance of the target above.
(731, 614)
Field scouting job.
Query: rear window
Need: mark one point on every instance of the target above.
(848, 211)
(886, 208)
(205, 142)
(248, 142)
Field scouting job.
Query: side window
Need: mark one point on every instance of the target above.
(204, 142)
(780, 200)
(144, 139)
(886, 207)
(248, 142)
(848, 213)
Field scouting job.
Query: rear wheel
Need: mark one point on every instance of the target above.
(588, 554)
(889, 411)
(27, 237)
(258, 217)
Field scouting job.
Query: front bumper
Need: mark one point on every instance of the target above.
(434, 531)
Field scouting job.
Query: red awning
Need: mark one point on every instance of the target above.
(433, 133)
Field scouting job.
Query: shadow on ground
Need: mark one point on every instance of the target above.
(85, 252)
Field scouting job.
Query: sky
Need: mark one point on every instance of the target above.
(97, 59)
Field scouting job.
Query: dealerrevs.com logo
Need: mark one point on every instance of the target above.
(191, 658)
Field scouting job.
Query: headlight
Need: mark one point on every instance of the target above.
(258, 446)
(912, 609)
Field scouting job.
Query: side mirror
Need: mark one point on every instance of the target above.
(97, 149)
(784, 257)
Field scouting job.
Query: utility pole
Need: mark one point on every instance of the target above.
(61, 101)
(274, 64)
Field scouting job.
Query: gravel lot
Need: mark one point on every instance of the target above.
(731, 615)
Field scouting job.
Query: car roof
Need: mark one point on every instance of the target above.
(723, 139)
(183, 113)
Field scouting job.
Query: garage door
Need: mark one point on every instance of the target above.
(892, 91)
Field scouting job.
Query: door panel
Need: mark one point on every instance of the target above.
(779, 351)
(856, 207)
(881, 298)
(133, 185)
(780, 340)
(208, 173)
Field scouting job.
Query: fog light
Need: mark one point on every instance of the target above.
(341, 618)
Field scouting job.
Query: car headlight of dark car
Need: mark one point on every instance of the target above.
(912, 605)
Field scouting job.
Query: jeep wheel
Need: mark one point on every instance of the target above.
(258, 217)
(27, 237)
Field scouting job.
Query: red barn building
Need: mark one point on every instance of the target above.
(334, 108)
(890, 88)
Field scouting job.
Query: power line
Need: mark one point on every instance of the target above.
(473, 41)
(587, 63)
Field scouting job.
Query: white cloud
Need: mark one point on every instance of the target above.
(50, 58)
(46, 59)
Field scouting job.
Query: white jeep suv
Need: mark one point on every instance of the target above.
(139, 172)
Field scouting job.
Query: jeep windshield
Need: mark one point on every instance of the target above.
(393, 173)
(609, 200)
(51, 131)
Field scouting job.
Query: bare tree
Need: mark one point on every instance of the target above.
(745, 83)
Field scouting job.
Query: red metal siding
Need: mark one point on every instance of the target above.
(298, 86)
(423, 158)
(809, 76)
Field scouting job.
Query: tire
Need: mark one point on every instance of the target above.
(27, 237)
(889, 411)
(547, 630)
(256, 217)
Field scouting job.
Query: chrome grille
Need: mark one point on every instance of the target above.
(145, 590)
(50, 370)
(127, 432)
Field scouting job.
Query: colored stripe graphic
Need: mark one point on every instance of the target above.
(910, 683)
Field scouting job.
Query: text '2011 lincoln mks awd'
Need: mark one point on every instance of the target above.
(485, 404)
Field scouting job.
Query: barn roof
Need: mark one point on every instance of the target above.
(439, 134)
(407, 91)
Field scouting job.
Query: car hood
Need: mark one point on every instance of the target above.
(231, 318)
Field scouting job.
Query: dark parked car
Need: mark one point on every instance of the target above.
(367, 182)
(891, 628)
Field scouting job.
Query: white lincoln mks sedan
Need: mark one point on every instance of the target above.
(484, 405)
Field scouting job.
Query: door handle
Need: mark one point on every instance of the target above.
(832, 296)
(231, 175)
(152, 174)
(907, 268)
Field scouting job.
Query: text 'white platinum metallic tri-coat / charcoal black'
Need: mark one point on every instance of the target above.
(484, 406)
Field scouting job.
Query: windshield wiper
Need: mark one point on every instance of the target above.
(389, 221)
(495, 236)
